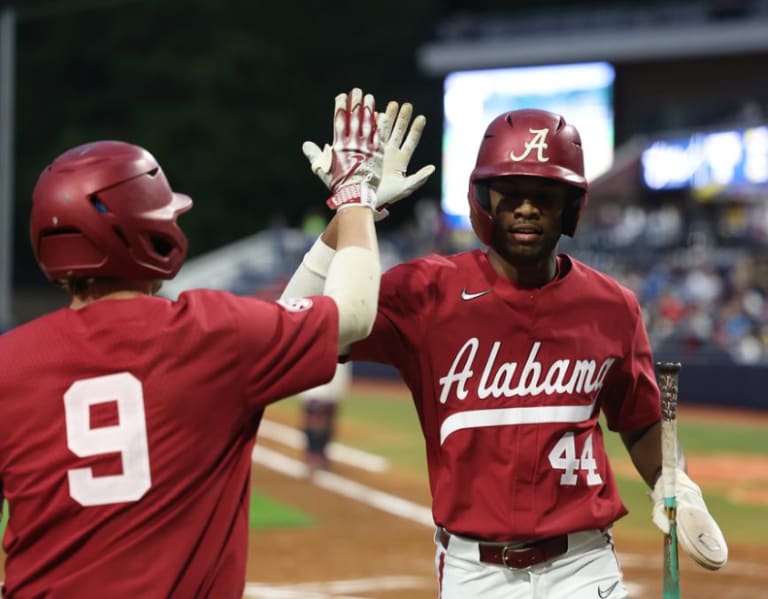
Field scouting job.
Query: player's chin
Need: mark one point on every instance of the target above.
(528, 245)
(519, 254)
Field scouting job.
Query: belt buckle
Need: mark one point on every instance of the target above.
(523, 557)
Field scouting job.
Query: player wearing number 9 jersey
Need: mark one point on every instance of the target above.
(127, 420)
(510, 354)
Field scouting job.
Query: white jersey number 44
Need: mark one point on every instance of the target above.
(563, 457)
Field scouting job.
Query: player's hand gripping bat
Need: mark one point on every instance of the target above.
(679, 508)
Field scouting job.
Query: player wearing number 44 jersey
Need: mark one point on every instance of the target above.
(127, 421)
(511, 353)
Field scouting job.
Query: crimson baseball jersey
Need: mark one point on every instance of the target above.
(508, 384)
(126, 432)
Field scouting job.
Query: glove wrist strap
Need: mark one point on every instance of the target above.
(353, 194)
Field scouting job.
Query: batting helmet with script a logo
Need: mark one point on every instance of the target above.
(534, 143)
(105, 209)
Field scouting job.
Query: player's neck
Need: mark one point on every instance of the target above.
(112, 290)
(526, 276)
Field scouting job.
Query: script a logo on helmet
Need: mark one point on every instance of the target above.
(538, 142)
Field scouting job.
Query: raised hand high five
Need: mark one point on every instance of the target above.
(351, 167)
(387, 172)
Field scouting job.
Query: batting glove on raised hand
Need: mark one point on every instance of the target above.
(351, 167)
(395, 185)
(699, 534)
(399, 145)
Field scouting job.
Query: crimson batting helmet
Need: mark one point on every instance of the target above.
(105, 209)
(533, 143)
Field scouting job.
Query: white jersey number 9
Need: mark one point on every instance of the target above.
(128, 437)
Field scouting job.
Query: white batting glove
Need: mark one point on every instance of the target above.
(697, 531)
(351, 167)
(398, 150)
(395, 185)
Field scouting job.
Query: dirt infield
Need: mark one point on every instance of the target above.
(359, 551)
(372, 537)
(353, 542)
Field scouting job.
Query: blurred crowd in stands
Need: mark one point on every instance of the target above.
(701, 274)
(699, 268)
(703, 305)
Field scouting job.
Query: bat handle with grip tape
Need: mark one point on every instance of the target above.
(668, 373)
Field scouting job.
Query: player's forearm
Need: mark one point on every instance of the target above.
(330, 234)
(355, 227)
(354, 273)
(644, 447)
(309, 277)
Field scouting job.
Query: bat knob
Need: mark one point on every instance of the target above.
(668, 367)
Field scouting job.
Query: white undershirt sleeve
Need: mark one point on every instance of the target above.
(323, 270)
(357, 296)
(309, 277)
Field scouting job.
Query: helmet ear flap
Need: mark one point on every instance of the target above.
(483, 195)
(572, 211)
(482, 225)
(480, 211)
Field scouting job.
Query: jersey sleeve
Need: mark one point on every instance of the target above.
(631, 399)
(287, 347)
(405, 299)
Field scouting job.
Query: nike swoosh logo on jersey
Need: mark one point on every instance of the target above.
(466, 295)
(605, 593)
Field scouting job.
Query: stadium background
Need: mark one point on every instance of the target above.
(224, 93)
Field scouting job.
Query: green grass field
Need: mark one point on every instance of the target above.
(263, 513)
(389, 427)
(266, 513)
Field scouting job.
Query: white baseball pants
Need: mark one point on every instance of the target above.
(588, 570)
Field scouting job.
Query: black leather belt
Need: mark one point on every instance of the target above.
(515, 555)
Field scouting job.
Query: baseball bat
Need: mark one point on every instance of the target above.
(669, 373)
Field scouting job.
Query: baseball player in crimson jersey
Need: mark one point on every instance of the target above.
(128, 420)
(511, 353)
